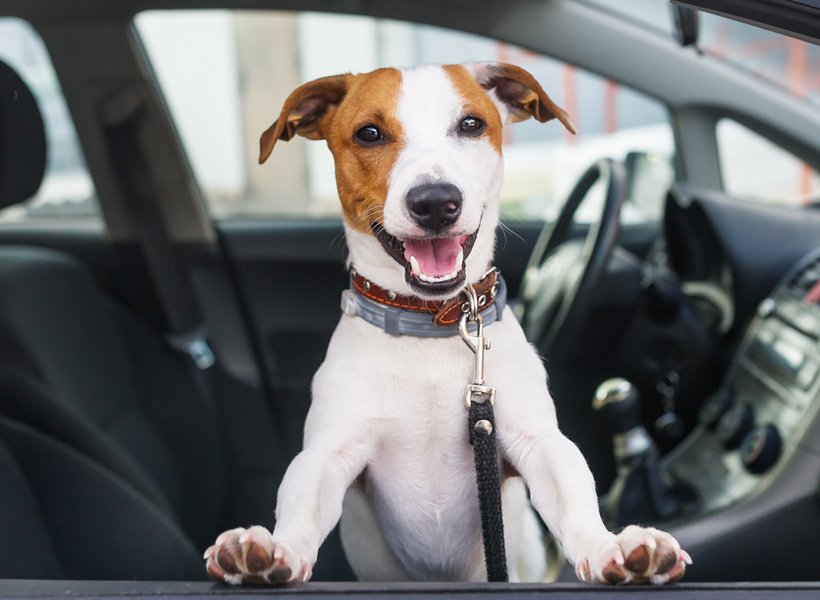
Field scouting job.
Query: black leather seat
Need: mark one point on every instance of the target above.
(111, 462)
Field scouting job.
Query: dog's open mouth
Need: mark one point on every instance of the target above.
(431, 265)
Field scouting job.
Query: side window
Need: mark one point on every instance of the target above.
(225, 74)
(67, 193)
(754, 167)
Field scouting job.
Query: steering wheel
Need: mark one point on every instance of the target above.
(563, 274)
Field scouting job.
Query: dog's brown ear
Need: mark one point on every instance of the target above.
(520, 92)
(306, 112)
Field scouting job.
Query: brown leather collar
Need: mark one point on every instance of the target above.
(445, 312)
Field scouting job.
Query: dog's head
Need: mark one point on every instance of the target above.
(418, 164)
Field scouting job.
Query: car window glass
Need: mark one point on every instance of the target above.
(754, 167)
(66, 194)
(225, 75)
(651, 14)
(777, 58)
(781, 61)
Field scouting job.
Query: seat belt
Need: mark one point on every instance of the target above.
(122, 116)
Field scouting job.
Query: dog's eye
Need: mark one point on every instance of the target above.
(369, 134)
(471, 125)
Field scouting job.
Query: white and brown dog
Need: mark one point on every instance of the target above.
(419, 169)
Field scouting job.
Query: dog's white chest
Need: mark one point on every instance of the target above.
(425, 503)
(422, 484)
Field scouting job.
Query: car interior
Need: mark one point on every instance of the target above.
(165, 301)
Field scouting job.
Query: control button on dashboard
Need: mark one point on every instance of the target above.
(761, 448)
(788, 355)
(711, 412)
(766, 336)
(807, 374)
(734, 425)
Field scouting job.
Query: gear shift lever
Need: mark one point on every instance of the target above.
(618, 402)
(639, 493)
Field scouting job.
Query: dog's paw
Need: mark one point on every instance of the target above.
(252, 556)
(637, 555)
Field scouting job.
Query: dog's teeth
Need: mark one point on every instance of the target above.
(414, 266)
(459, 260)
(436, 279)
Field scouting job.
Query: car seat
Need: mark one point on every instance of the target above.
(112, 463)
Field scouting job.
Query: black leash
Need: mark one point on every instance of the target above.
(482, 437)
(479, 399)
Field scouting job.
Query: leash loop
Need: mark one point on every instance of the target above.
(479, 399)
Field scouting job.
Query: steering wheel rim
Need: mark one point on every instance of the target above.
(556, 298)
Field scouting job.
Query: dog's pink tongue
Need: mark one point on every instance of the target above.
(436, 257)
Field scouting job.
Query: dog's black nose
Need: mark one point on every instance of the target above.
(434, 206)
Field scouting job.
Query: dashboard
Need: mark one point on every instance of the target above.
(756, 449)
(760, 415)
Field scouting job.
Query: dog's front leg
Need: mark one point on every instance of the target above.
(309, 504)
(563, 492)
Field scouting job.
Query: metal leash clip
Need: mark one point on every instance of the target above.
(476, 391)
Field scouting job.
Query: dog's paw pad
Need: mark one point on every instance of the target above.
(638, 560)
(613, 573)
(677, 570)
(257, 549)
(613, 570)
(213, 568)
(667, 562)
(280, 574)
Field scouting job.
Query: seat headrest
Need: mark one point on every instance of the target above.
(22, 140)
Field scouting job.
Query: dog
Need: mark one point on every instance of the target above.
(418, 162)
